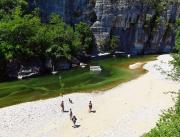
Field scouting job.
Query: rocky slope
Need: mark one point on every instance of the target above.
(134, 23)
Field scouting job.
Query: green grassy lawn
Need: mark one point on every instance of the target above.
(115, 71)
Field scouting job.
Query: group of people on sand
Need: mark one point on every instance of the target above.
(73, 117)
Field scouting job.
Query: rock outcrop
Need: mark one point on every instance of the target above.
(72, 11)
(133, 22)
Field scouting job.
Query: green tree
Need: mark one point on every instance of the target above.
(86, 36)
(18, 31)
(7, 7)
(102, 43)
(61, 37)
(113, 43)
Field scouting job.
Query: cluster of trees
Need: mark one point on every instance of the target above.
(23, 36)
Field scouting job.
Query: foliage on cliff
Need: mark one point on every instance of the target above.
(177, 49)
(7, 6)
(152, 23)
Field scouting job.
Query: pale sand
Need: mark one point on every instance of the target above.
(128, 110)
(136, 65)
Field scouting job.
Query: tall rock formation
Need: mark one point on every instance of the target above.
(133, 22)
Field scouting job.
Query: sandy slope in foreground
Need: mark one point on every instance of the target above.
(128, 110)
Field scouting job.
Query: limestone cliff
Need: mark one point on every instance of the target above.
(133, 22)
(73, 11)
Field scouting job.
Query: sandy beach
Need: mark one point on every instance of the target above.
(128, 110)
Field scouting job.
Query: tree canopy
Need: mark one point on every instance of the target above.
(23, 36)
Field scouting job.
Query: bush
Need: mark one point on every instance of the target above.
(169, 123)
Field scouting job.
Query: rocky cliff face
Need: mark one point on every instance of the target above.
(73, 11)
(131, 21)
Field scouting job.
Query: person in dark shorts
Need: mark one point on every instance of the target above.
(74, 119)
(90, 106)
(62, 106)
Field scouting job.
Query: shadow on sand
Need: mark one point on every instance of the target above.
(93, 111)
(65, 111)
(76, 126)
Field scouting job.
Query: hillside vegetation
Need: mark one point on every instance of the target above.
(24, 37)
(169, 123)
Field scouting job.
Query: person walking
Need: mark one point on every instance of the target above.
(70, 114)
(74, 119)
(90, 106)
(62, 106)
(70, 101)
